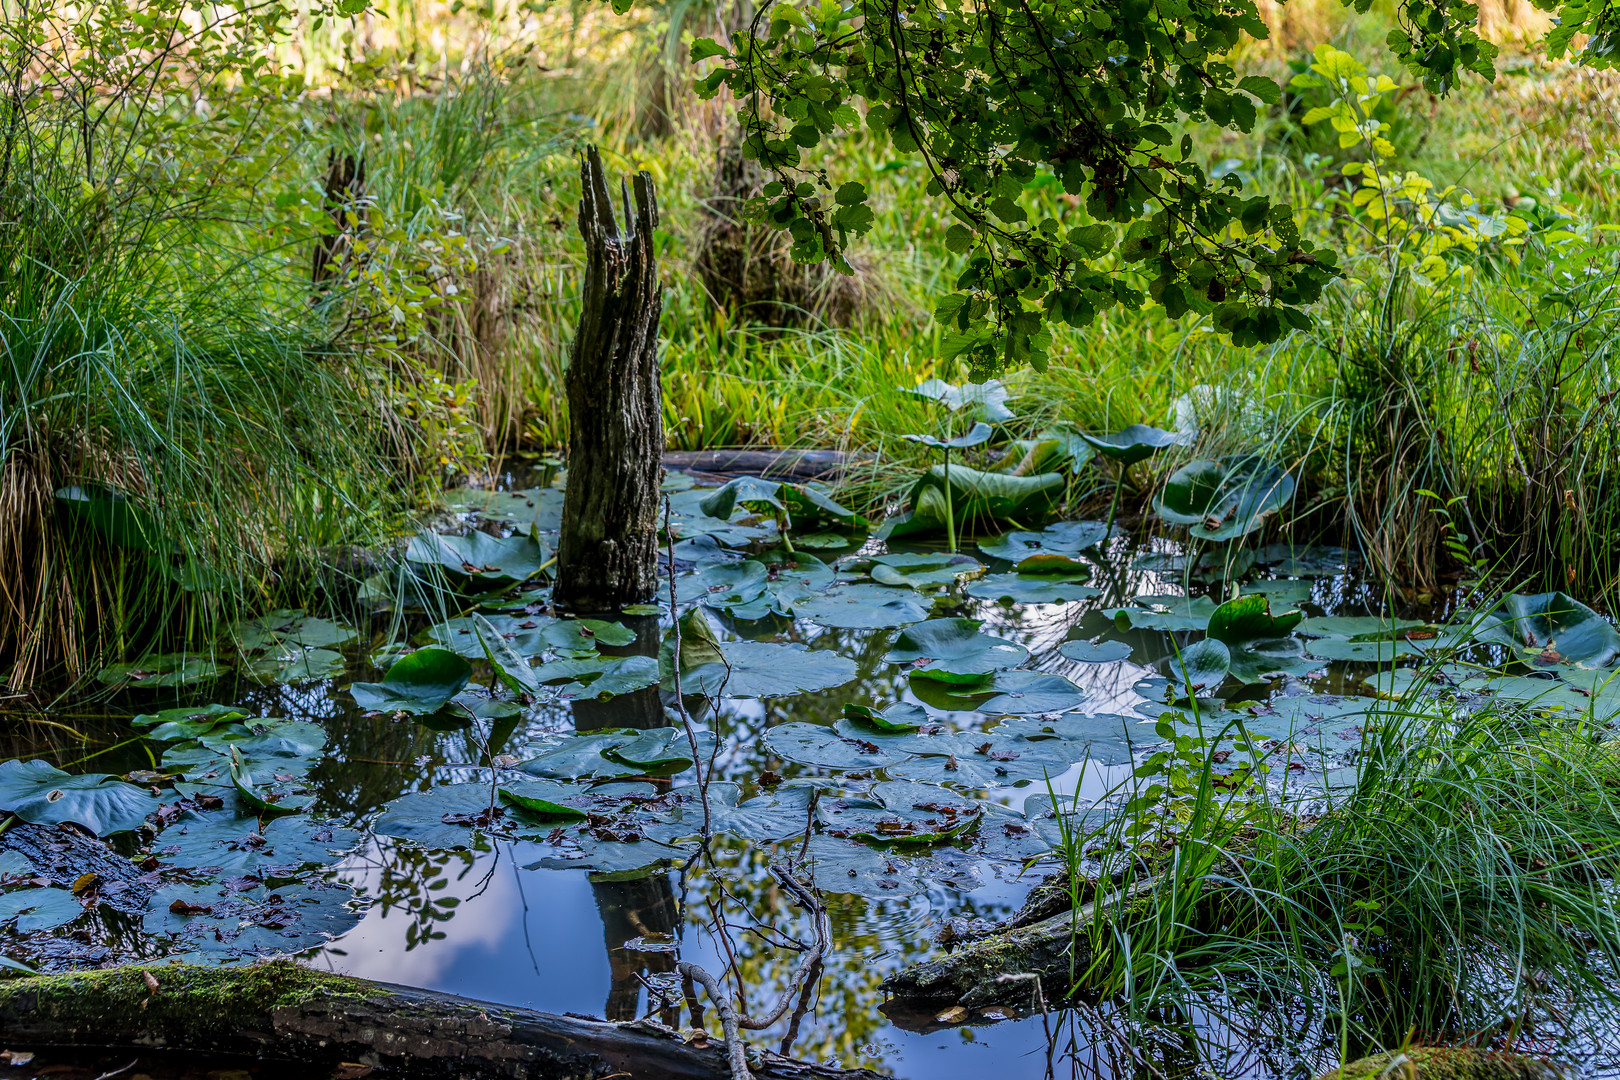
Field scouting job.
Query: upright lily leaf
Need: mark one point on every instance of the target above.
(987, 399)
(1224, 500)
(899, 718)
(975, 496)
(1258, 641)
(953, 651)
(1552, 630)
(511, 668)
(980, 433)
(1135, 443)
(1202, 667)
(120, 519)
(420, 684)
(42, 794)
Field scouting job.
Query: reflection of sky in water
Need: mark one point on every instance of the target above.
(534, 938)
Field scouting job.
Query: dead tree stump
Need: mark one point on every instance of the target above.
(608, 553)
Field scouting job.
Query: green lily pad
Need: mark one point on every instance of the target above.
(479, 559)
(42, 794)
(862, 606)
(761, 669)
(618, 753)
(903, 812)
(1357, 627)
(221, 917)
(1024, 693)
(805, 504)
(421, 683)
(1249, 618)
(953, 651)
(1172, 613)
(1063, 538)
(812, 744)
(38, 909)
(977, 760)
(1223, 501)
(529, 508)
(1101, 738)
(161, 671)
(763, 818)
(987, 399)
(1202, 667)
(224, 844)
(980, 433)
(524, 634)
(446, 816)
(292, 664)
(1101, 652)
(584, 635)
(846, 866)
(187, 723)
(290, 627)
(1285, 593)
(1552, 630)
(602, 678)
(900, 718)
(1031, 588)
(612, 856)
(919, 571)
(544, 799)
(1135, 443)
(1376, 651)
(1309, 561)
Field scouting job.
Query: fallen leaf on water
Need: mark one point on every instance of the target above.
(350, 1070)
(953, 1015)
(83, 882)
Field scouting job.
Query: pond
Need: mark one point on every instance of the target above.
(847, 714)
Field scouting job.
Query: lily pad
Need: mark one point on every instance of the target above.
(1202, 667)
(760, 669)
(222, 917)
(582, 636)
(290, 627)
(762, 818)
(846, 866)
(1224, 500)
(602, 678)
(1552, 630)
(421, 683)
(862, 606)
(1101, 652)
(977, 760)
(1249, 618)
(900, 718)
(42, 794)
(918, 571)
(292, 664)
(524, 634)
(1374, 651)
(975, 496)
(1135, 443)
(224, 844)
(1171, 613)
(162, 671)
(542, 799)
(1357, 627)
(978, 434)
(953, 651)
(511, 668)
(479, 559)
(38, 909)
(1104, 738)
(528, 508)
(1031, 588)
(812, 744)
(445, 816)
(1062, 538)
(613, 856)
(1308, 561)
(803, 503)
(1024, 693)
(187, 723)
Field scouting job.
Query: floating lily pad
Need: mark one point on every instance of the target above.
(38, 909)
(1135, 443)
(862, 606)
(524, 634)
(1031, 588)
(1376, 651)
(1552, 630)
(187, 723)
(977, 760)
(225, 844)
(162, 671)
(290, 627)
(583, 635)
(987, 399)
(479, 559)
(613, 856)
(1284, 593)
(542, 799)
(1023, 693)
(292, 664)
(42, 794)
(601, 678)
(900, 718)
(1357, 627)
(222, 917)
(618, 753)
(1223, 563)
(767, 669)
(1224, 500)
(1101, 652)
(846, 866)
(953, 651)
(804, 503)
(445, 816)
(529, 508)
(919, 571)
(1165, 613)
(1064, 538)
(1309, 561)
(812, 744)
(421, 683)
(1333, 718)
(903, 812)
(765, 817)
(1105, 738)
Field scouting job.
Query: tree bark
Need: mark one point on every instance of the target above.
(608, 553)
(280, 1011)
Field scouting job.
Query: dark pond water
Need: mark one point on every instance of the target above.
(498, 914)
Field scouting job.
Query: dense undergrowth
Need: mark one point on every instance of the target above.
(1454, 403)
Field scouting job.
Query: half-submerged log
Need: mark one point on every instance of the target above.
(280, 1011)
(607, 556)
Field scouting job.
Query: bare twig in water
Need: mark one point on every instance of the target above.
(680, 699)
(737, 1052)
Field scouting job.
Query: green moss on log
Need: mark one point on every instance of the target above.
(203, 1002)
(1445, 1063)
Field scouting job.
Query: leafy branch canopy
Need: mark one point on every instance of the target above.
(1007, 102)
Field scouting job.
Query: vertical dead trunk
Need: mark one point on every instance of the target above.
(608, 554)
(345, 187)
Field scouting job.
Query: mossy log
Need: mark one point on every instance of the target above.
(281, 1011)
(1445, 1063)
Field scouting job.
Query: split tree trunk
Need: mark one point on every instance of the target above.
(608, 555)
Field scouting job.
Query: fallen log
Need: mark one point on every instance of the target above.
(1445, 1063)
(772, 464)
(971, 976)
(281, 1011)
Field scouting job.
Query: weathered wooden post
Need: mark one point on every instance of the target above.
(608, 554)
